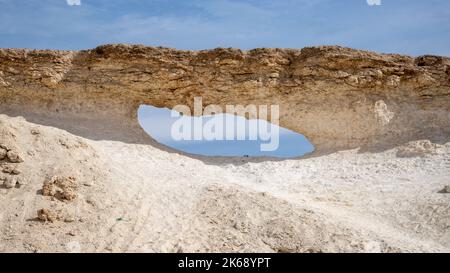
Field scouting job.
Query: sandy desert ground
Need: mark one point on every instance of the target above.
(114, 197)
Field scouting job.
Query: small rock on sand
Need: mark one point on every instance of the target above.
(10, 182)
(14, 157)
(62, 188)
(47, 215)
(3, 153)
(10, 169)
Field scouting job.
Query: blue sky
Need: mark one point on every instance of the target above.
(412, 27)
(400, 26)
(157, 122)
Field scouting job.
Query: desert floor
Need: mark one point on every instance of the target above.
(114, 196)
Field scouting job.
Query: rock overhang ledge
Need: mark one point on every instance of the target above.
(340, 98)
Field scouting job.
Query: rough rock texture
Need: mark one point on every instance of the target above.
(338, 97)
(47, 215)
(62, 188)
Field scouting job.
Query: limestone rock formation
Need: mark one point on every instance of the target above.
(78, 173)
(338, 97)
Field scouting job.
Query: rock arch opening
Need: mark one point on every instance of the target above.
(340, 98)
(240, 138)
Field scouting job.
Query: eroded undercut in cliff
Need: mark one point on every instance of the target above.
(339, 98)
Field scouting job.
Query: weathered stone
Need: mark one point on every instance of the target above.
(9, 169)
(4, 147)
(62, 188)
(14, 157)
(3, 153)
(329, 94)
(10, 182)
(47, 215)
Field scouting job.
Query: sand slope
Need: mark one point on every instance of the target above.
(139, 197)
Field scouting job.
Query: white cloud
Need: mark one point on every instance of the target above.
(73, 2)
(374, 2)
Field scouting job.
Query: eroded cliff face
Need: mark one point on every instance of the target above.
(339, 98)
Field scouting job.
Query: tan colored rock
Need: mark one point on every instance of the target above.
(62, 188)
(9, 169)
(47, 215)
(4, 147)
(10, 182)
(14, 157)
(327, 93)
(69, 219)
(3, 153)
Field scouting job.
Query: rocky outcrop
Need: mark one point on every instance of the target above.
(339, 98)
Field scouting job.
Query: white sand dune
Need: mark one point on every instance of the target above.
(137, 197)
